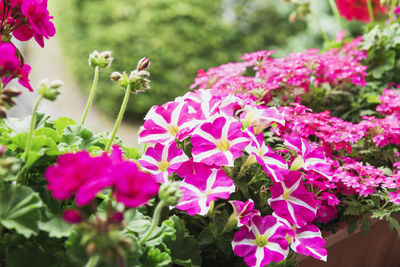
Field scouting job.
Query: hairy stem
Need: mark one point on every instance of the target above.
(92, 91)
(154, 222)
(370, 11)
(120, 115)
(32, 125)
(336, 12)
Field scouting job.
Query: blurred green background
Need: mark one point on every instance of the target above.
(179, 37)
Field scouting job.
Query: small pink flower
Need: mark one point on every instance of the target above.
(394, 197)
(162, 160)
(9, 62)
(73, 216)
(291, 200)
(219, 142)
(167, 123)
(198, 191)
(326, 213)
(244, 211)
(264, 242)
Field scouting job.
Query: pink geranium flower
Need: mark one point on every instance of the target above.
(167, 123)
(78, 173)
(219, 142)
(38, 21)
(9, 62)
(291, 200)
(244, 211)
(198, 191)
(162, 160)
(262, 243)
(358, 9)
(133, 187)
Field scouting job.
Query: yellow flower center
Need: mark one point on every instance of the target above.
(223, 144)
(261, 240)
(163, 165)
(173, 129)
(289, 238)
(286, 195)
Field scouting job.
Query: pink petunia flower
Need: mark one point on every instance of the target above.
(198, 191)
(203, 103)
(162, 160)
(272, 163)
(219, 142)
(164, 124)
(262, 243)
(291, 200)
(260, 117)
(309, 158)
(243, 211)
(306, 240)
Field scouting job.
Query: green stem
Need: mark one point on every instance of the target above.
(326, 39)
(336, 12)
(393, 6)
(120, 115)
(154, 222)
(370, 11)
(30, 133)
(92, 91)
(93, 261)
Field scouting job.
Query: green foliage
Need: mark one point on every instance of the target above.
(179, 37)
(20, 209)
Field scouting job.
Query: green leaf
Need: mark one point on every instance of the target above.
(136, 222)
(155, 258)
(365, 223)
(131, 153)
(61, 123)
(393, 223)
(20, 209)
(56, 227)
(48, 132)
(184, 248)
(79, 137)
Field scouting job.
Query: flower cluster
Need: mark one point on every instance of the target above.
(84, 176)
(23, 20)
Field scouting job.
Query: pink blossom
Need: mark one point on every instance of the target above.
(72, 216)
(9, 62)
(218, 142)
(198, 191)
(394, 197)
(326, 213)
(167, 123)
(262, 243)
(38, 20)
(133, 187)
(244, 211)
(272, 163)
(203, 103)
(260, 117)
(291, 200)
(358, 10)
(162, 160)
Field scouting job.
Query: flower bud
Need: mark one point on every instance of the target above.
(72, 216)
(143, 64)
(117, 217)
(115, 76)
(49, 90)
(170, 193)
(101, 60)
(7, 100)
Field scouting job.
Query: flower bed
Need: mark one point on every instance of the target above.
(239, 171)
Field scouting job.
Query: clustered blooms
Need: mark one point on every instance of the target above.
(84, 176)
(358, 9)
(22, 19)
(199, 137)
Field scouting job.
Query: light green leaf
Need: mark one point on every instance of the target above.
(61, 123)
(56, 227)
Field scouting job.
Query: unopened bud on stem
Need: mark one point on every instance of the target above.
(101, 60)
(143, 64)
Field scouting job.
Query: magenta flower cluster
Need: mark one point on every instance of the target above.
(84, 176)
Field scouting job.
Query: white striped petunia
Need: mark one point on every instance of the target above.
(306, 240)
(167, 123)
(262, 243)
(198, 191)
(162, 160)
(218, 142)
(309, 157)
(291, 200)
(243, 211)
(272, 163)
(203, 103)
(260, 117)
